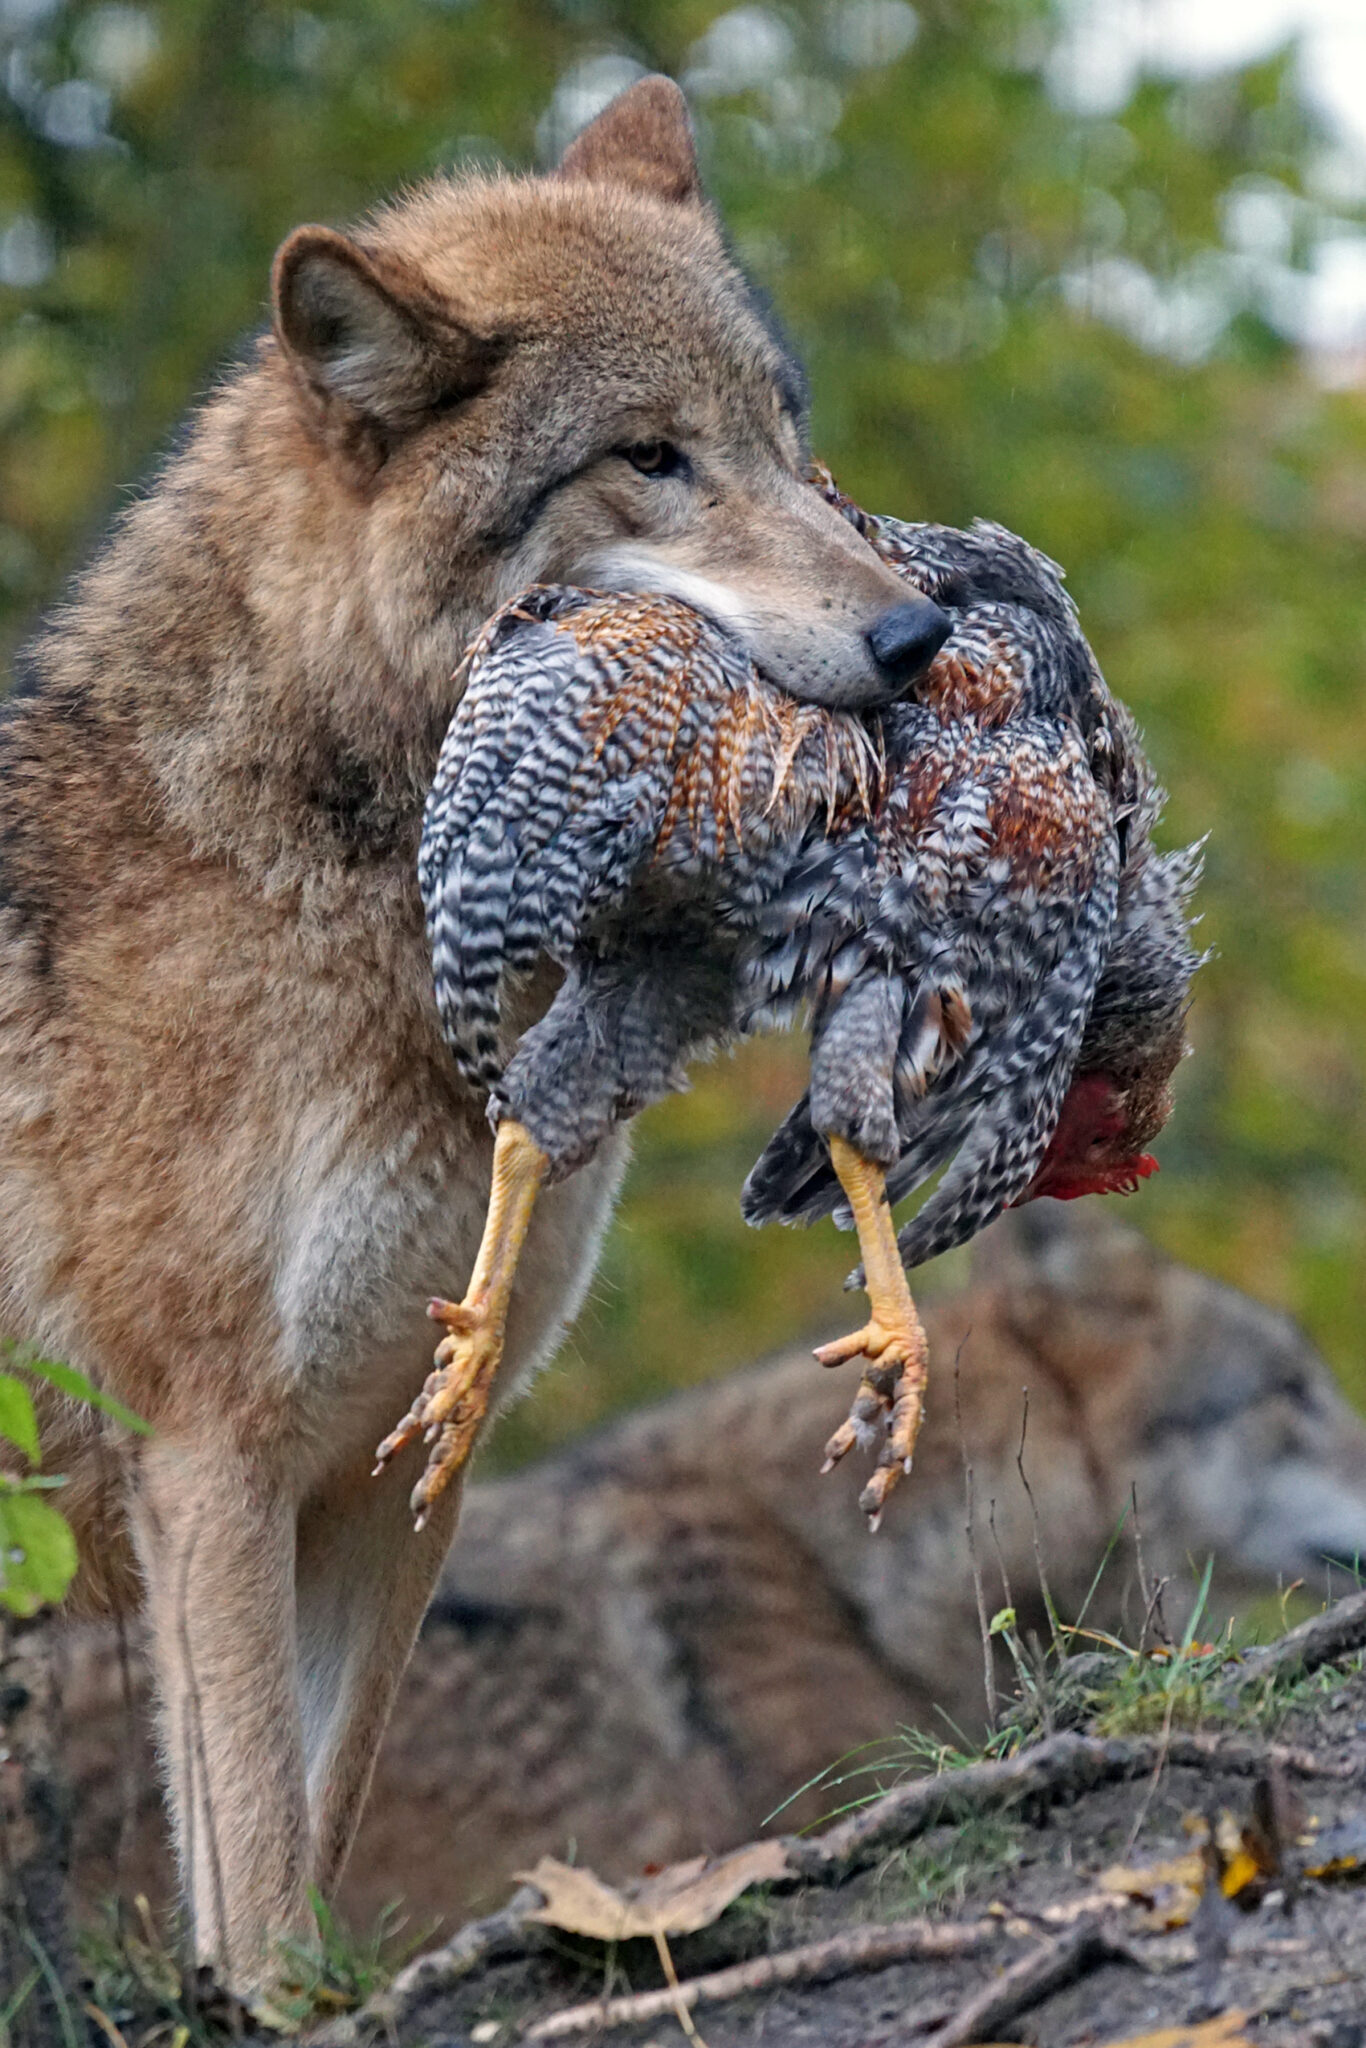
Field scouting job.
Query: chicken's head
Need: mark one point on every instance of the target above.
(1096, 1148)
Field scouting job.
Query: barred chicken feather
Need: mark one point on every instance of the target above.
(945, 886)
(621, 793)
(1103, 994)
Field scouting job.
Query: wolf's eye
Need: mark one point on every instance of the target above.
(656, 458)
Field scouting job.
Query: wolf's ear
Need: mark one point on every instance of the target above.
(644, 138)
(368, 337)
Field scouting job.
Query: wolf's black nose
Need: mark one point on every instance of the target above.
(904, 641)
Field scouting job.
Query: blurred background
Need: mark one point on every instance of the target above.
(1097, 270)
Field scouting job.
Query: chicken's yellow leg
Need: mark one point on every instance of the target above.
(892, 1340)
(455, 1399)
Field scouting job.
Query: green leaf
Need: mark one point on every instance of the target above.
(37, 1553)
(80, 1388)
(18, 1423)
(1001, 1620)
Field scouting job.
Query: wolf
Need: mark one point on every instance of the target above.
(645, 1645)
(235, 1155)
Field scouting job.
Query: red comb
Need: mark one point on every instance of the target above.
(1120, 1179)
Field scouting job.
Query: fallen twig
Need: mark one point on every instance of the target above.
(1046, 1772)
(984, 1627)
(509, 1932)
(864, 1948)
(1339, 1631)
(1034, 1977)
(1140, 1819)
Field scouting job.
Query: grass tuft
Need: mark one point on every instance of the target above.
(142, 1993)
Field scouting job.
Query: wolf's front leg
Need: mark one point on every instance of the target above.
(363, 1581)
(215, 1534)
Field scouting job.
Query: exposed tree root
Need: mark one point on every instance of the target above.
(863, 1948)
(1060, 1767)
(1034, 1977)
(1338, 1632)
(509, 1932)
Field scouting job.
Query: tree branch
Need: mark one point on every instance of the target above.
(1058, 1768)
(1043, 1774)
(863, 1948)
(1035, 1977)
(1338, 1632)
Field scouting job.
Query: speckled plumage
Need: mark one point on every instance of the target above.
(1076, 958)
(938, 883)
(618, 791)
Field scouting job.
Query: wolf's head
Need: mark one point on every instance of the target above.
(1215, 1406)
(565, 378)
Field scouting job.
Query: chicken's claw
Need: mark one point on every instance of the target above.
(891, 1392)
(454, 1398)
(461, 1318)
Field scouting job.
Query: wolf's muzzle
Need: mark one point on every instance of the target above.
(904, 640)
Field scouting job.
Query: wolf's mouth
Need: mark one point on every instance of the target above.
(641, 573)
(866, 673)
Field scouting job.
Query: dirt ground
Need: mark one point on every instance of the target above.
(1287, 1949)
(1156, 1851)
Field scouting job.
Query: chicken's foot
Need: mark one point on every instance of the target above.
(892, 1389)
(455, 1398)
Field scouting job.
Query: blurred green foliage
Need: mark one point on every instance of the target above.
(1078, 323)
(37, 1546)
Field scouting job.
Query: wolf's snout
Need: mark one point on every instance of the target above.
(904, 640)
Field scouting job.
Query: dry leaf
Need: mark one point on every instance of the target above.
(1067, 1911)
(1171, 1891)
(1239, 1871)
(1340, 1851)
(1224, 2032)
(1238, 1857)
(682, 1899)
(1146, 1880)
